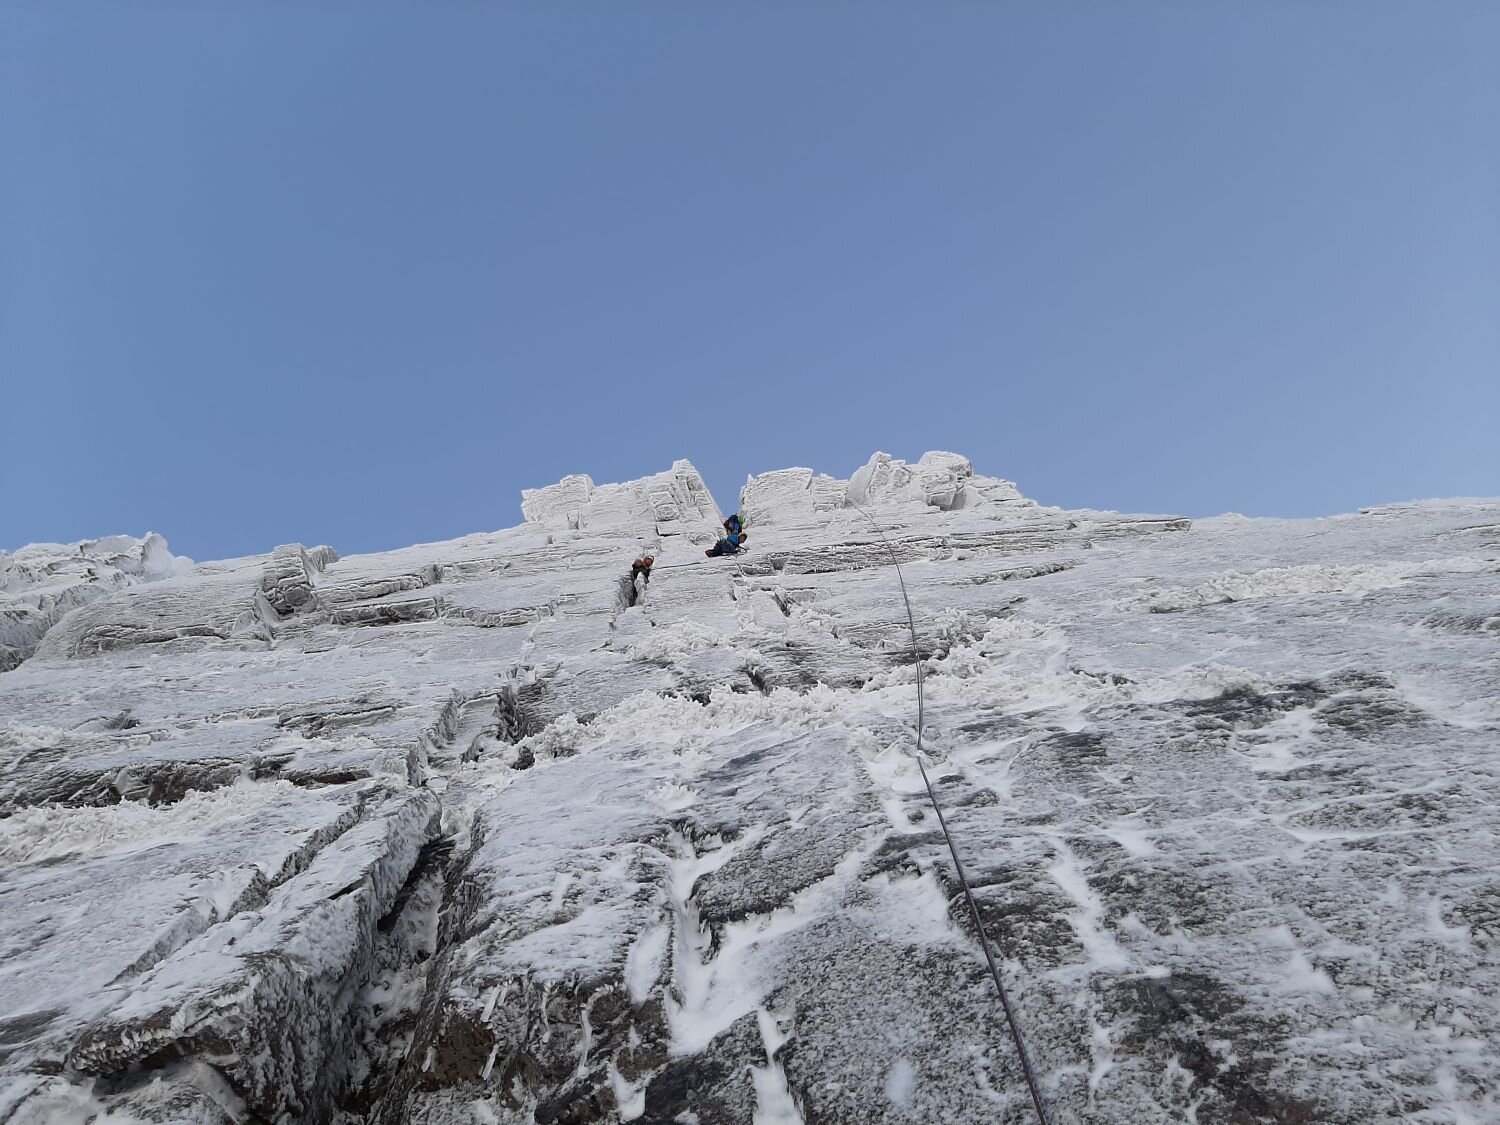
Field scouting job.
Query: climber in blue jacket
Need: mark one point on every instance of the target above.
(734, 537)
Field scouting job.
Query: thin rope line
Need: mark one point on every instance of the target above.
(963, 879)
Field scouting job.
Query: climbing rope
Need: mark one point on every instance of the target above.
(963, 879)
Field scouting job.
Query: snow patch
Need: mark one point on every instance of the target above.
(900, 1082)
(1099, 945)
(644, 962)
(672, 797)
(774, 1104)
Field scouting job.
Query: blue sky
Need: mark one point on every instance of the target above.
(357, 274)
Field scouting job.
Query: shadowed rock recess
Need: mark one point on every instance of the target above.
(457, 833)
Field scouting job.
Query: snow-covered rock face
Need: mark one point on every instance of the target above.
(42, 582)
(450, 834)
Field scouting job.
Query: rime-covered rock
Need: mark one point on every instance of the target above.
(788, 493)
(941, 480)
(40, 583)
(671, 503)
(287, 581)
(467, 832)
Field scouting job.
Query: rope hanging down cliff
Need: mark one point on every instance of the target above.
(963, 880)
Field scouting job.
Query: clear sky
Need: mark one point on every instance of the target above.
(357, 273)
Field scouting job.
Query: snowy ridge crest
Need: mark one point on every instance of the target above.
(678, 501)
(945, 481)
